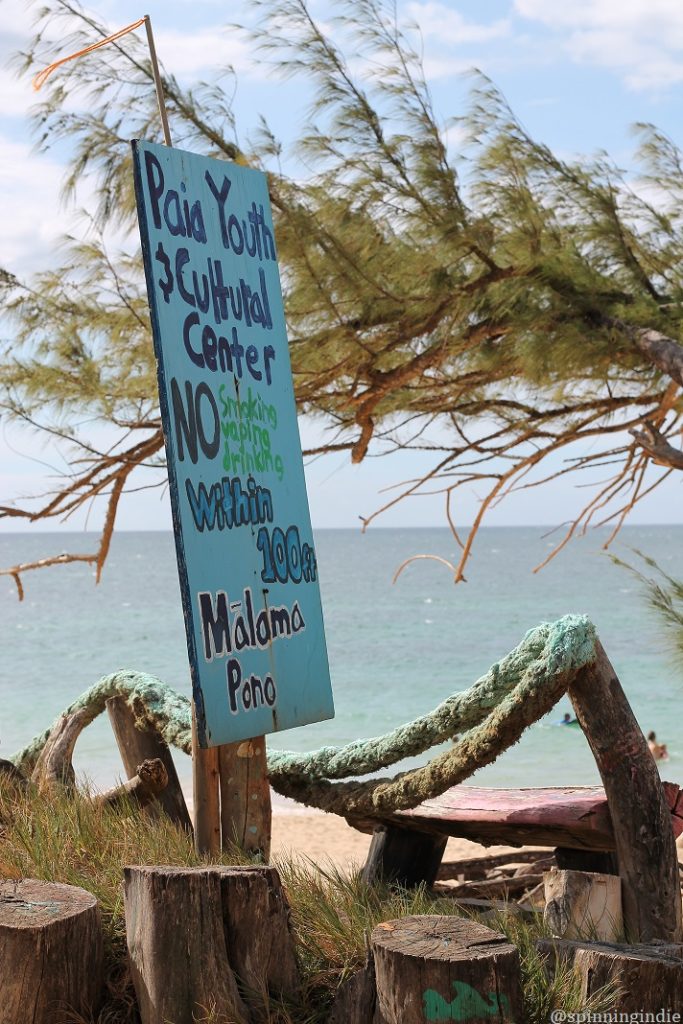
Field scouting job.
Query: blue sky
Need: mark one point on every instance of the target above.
(577, 74)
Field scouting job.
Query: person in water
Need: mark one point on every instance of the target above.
(658, 750)
(567, 720)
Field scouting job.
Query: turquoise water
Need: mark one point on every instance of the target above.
(395, 650)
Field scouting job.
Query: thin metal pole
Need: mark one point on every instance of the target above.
(157, 81)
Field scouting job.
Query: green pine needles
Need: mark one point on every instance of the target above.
(483, 301)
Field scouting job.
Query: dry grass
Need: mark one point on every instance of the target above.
(58, 839)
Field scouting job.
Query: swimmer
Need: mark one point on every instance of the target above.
(658, 750)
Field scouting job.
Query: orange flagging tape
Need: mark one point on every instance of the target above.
(41, 77)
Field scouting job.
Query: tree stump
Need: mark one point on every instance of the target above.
(432, 968)
(356, 997)
(137, 745)
(257, 928)
(583, 905)
(648, 978)
(194, 933)
(50, 951)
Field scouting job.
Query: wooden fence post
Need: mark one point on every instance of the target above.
(206, 795)
(246, 816)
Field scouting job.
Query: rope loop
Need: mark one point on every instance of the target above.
(486, 719)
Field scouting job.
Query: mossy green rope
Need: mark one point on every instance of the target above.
(492, 715)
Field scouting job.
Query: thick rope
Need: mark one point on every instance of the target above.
(153, 703)
(513, 694)
(457, 714)
(569, 647)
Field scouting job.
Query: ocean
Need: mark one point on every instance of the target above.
(396, 650)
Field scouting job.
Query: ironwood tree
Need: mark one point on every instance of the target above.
(488, 303)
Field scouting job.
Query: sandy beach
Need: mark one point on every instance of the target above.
(326, 839)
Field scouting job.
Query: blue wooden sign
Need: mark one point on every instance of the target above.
(248, 572)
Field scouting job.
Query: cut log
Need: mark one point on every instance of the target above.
(176, 944)
(583, 905)
(356, 997)
(256, 919)
(404, 857)
(144, 744)
(641, 818)
(206, 796)
(215, 937)
(647, 978)
(149, 781)
(50, 952)
(54, 767)
(444, 968)
(246, 816)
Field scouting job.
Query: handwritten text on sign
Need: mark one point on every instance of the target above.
(247, 563)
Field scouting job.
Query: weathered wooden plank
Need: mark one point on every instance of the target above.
(576, 817)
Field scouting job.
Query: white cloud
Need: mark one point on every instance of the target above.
(642, 40)
(450, 27)
(210, 47)
(33, 217)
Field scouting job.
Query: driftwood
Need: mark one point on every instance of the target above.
(50, 952)
(491, 888)
(444, 968)
(204, 940)
(471, 868)
(148, 782)
(137, 744)
(54, 767)
(246, 816)
(583, 905)
(647, 978)
(641, 820)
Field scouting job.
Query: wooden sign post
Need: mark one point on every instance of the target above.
(246, 559)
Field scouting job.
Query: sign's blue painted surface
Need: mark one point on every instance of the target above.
(247, 563)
